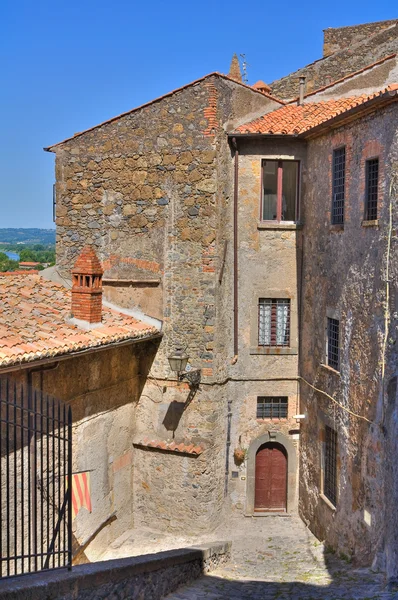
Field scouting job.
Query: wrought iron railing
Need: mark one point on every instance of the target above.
(36, 465)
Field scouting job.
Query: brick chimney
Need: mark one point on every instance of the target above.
(234, 69)
(87, 287)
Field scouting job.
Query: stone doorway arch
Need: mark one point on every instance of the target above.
(279, 438)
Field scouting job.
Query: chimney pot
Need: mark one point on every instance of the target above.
(301, 90)
(87, 287)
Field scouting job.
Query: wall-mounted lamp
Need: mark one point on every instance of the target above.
(178, 362)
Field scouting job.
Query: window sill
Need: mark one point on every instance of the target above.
(336, 227)
(327, 502)
(330, 369)
(272, 419)
(272, 350)
(270, 225)
(374, 223)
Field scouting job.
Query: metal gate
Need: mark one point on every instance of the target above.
(36, 465)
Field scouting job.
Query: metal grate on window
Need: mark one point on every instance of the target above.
(333, 343)
(330, 480)
(272, 407)
(372, 185)
(338, 186)
(274, 322)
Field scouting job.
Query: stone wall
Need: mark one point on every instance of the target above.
(344, 277)
(149, 577)
(340, 38)
(344, 62)
(152, 191)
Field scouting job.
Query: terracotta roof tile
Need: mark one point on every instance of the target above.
(294, 119)
(170, 446)
(34, 323)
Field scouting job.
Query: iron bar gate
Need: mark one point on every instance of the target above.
(36, 466)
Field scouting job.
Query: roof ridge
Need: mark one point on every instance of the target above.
(158, 99)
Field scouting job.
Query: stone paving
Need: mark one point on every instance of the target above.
(277, 558)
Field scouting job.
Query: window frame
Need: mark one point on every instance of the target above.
(367, 216)
(279, 404)
(334, 219)
(330, 471)
(279, 192)
(336, 364)
(273, 335)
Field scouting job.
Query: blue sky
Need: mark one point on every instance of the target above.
(69, 64)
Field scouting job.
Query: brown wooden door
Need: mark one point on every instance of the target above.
(271, 478)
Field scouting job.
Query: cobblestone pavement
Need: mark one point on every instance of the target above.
(277, 558)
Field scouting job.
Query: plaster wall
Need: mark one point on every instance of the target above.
(268, 265)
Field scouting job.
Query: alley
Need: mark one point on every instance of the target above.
(277, 558)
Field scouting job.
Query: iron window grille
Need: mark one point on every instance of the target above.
(372, 185)
(330, 479)
(338, 186)
(274, 322)
(272, 407)
(333, 350)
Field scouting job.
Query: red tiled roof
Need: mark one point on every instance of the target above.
(295, 120)
(34, 323)
(25, 272)
(170, 446)
(183, 87)
(338, 81)
(29, 264)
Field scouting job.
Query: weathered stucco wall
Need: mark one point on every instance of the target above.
(344, 275)
(268, 261)
(103, 389)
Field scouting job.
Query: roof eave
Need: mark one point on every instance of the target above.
(28, 364)
(353, 113)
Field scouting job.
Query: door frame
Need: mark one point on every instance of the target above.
(272, 436)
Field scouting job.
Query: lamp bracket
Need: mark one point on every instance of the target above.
(193, 377)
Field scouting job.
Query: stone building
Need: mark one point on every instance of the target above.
(260, 231)
(66, 344)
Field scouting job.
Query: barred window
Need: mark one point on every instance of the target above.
(333, 350)
(338, 186)
(330, 475)
(372, 185)
(274, 322)
(272, 407)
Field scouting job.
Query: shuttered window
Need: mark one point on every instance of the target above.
(330, 476)
(338, 186)
(372, 188)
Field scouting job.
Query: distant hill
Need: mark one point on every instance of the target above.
(27, 236)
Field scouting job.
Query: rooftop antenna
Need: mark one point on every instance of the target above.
(244, 68)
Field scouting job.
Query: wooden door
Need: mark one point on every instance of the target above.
(271, 478)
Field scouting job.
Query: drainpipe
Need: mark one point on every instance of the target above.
(302, 90)
(236, 173)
